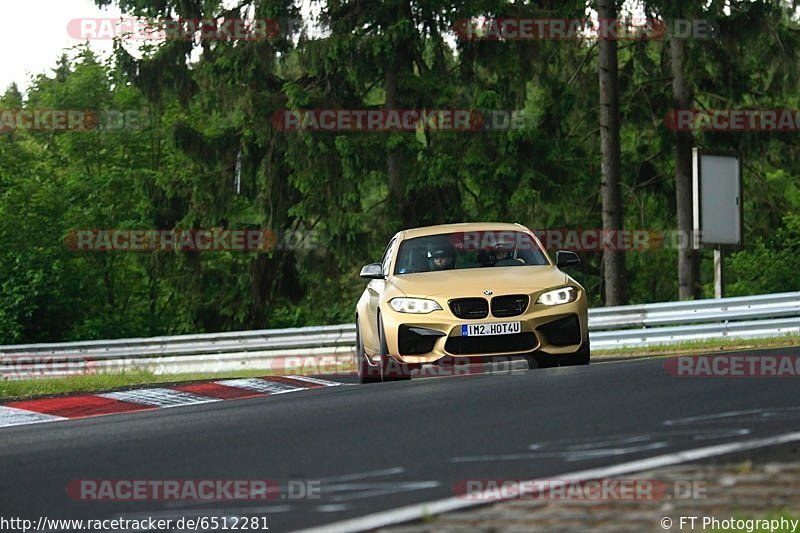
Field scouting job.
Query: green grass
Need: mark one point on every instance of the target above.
(704, 346)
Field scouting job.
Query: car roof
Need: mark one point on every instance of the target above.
(461, 227)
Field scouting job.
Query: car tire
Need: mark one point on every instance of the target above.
(391, 369)
(540, 360)
(581, 357)
(367, 373)
(543, 360)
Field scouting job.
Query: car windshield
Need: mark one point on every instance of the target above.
(461, 250)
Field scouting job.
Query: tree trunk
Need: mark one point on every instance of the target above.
(397, 75)
(610, 185)
(682, 99)
(394, 155)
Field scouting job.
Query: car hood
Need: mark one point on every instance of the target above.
(473, 281)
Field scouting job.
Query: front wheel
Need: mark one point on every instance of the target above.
(391, 369)
(581, 357)
(542, 360)
(367, 373)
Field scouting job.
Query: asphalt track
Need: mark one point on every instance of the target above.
(372, 448)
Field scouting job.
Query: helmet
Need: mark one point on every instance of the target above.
(503, 249)
(441, 258)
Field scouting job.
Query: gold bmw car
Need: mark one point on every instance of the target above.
(475, 292)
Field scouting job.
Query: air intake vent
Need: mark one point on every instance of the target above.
(516, 342)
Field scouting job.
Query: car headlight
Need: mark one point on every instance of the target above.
(564, 295)
(414, 305)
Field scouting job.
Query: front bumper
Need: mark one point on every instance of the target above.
(421, 339)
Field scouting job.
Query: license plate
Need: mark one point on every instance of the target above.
(499, 328)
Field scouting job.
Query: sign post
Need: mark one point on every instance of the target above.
(719, 280)
(717, 188)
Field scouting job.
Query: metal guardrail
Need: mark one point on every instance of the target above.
(768, 315)
(743, 317)
(740, 308)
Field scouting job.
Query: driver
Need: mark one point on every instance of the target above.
(503, 255)
(441, 259)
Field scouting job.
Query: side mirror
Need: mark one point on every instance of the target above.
(372, 271)
(567, 259)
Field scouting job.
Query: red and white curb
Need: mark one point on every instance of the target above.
(86, 405)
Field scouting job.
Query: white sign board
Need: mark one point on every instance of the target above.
(717, 187)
